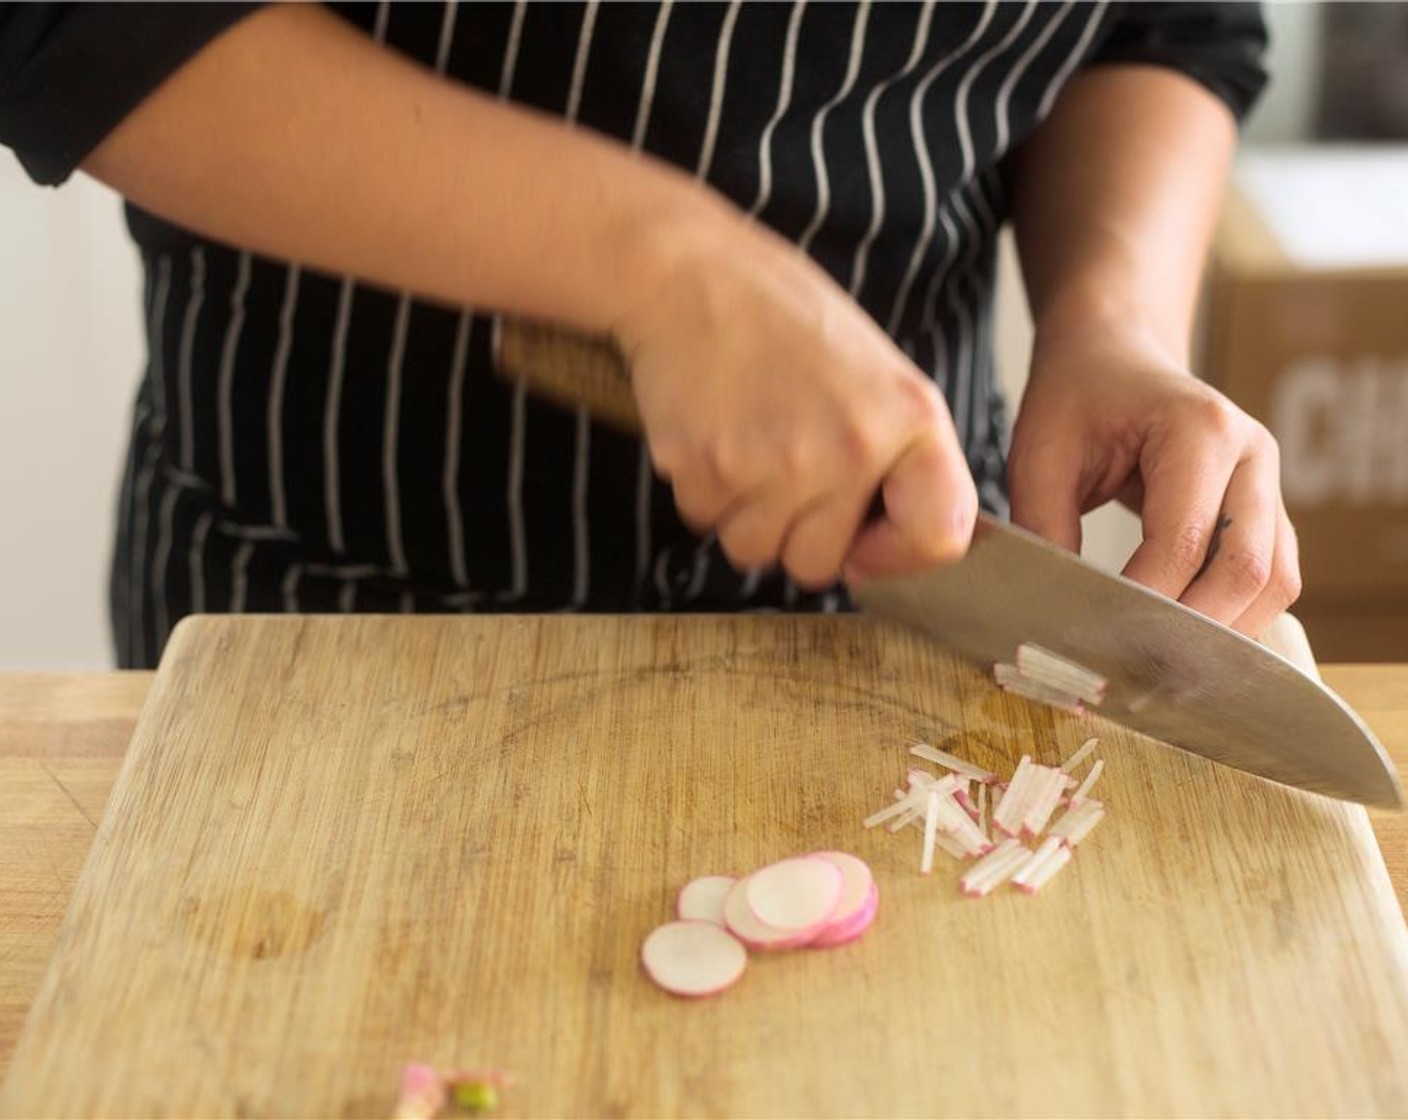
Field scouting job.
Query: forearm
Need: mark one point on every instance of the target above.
(1114, 201)
(296, 136)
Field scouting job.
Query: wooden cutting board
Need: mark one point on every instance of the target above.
(341, 844)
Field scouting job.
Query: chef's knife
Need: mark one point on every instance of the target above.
(1173, 673)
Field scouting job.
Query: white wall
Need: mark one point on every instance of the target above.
(70, 354)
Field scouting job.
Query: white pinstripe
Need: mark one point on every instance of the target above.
(517, 536)
(143, 475)
(391, 417)
(288, 587)
(784, 100)
(347, 596)
(965, 87)
(1072, 61)
(706, 155)
(188, 341)
(454, 393)
(644, 474)
(716, 96)
(447, 36)
(160, 297)
(926, 167)
(515, 36)
(332, 414)
(274, 420)
(848, 83)
(581, 464)
(449, 480)
(195, 559)
(161, 557)
(1002, 107)
(518, 545)
(332, 489)
(137, 576)
(872, 154)
(963, 371)
(390, 430)
(226, 384)
(239, 582)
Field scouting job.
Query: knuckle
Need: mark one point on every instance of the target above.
(1216, 415)
(1287, 580)
(666, 456)
(794, 459)
(920, 399)
(862, 443)
(1188, 546)
(1249, 569)
(727, 461)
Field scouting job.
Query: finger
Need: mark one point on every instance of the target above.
(1239, 561)
(752, 530)
(816, 543)
(931, 505)
(1044, 483)
(1184, 484)
(1282, 589)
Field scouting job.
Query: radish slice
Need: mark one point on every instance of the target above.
(693, 958)
(931, 830)
(1090, 779)
(1029, 870)
(796, 894)
(702, 899)
(857, 885)
(836, 935)
(1080, 756)
(1051, 697)
(1045, 872)
(744, 924)
(951, 762)
(1042, 666)
(994, 869)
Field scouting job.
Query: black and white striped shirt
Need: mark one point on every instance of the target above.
(304, 442)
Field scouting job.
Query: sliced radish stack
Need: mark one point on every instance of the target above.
(693, 958)
(745, 925)
(843, 933)
(856, 888)
(702, 899)
(798, 895)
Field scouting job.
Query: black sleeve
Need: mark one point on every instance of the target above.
(69, 73)
(1220, 45)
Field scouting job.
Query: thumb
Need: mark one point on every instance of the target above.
(1043, 479)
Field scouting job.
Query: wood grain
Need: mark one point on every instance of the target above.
(62, 738)
(337, 844)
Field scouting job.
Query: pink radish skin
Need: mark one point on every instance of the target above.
(796, 894)
(693, 958)
(744, 925)
(702, 899)
(834, 936)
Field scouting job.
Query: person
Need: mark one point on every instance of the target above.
(784, 215)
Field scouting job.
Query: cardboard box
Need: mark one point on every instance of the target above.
(1306, 327)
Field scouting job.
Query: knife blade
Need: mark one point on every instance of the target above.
(1173, 674)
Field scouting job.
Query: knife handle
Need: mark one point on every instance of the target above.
(568, 368)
